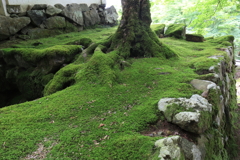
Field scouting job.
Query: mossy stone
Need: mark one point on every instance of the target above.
(176, 30)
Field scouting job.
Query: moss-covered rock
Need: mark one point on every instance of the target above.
(194, 37)
(62, 79)
(176, 30)
(29, 70)
(158, 29)
(224, 40)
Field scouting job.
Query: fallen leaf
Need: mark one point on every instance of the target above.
(101, 125)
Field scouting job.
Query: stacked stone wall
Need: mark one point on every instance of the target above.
(42, 20)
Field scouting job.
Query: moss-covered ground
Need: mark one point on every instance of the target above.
(89, 120)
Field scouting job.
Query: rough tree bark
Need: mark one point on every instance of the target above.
(134, 37)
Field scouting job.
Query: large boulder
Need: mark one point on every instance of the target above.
(91, 17)
(37, 17)
(55, 22)
(176, 30)
(84, 7)
(177, 147)
(158, 29)
(193, 115)
(10, 26)
(59, 6)
(111, 16)
(52, 11)
(73, 12)
(194, 37)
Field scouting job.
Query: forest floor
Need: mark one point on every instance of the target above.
(91, 120)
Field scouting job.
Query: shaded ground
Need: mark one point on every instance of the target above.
(166, 129)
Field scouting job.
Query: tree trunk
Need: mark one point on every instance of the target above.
(134, 37)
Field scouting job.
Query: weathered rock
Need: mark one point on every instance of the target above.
(24, 37)
(59, 6)
(52, 11)
(73, 12)
(194, 37)
(203, 85)
(55, 22)
(37, 17)
(91, 17)
(176, 148)
(17, 9)
(84, 7)
(10, 26)
(111, 16)
(193, 115)
(39, 7)
(94, 6)
(176, 30)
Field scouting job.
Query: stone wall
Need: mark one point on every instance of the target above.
(42, 20)
(4, 3)
(207, 117)
(52, 2)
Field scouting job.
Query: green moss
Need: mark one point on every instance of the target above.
(226, 43)
(223, 40)
(208, 38)
(176, 30)
(62, 79)
(158, 28)
(174, 109)
(35, 55)
(203, 64)
(89, 120)
(85, 42)
(100, 68)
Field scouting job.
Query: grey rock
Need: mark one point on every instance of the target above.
(10, 26)
(52, 11)
(204, 85)
(59, 6)
(111, 16)
(91, 17)
(55, 22)
(94, 6)
(17, 9)
(84, 7)
(73, 11)
(39, 7)
(37, 17)
(169, 147)
(196, 102)
(24, 37)
(194, 115)
(177, 147)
